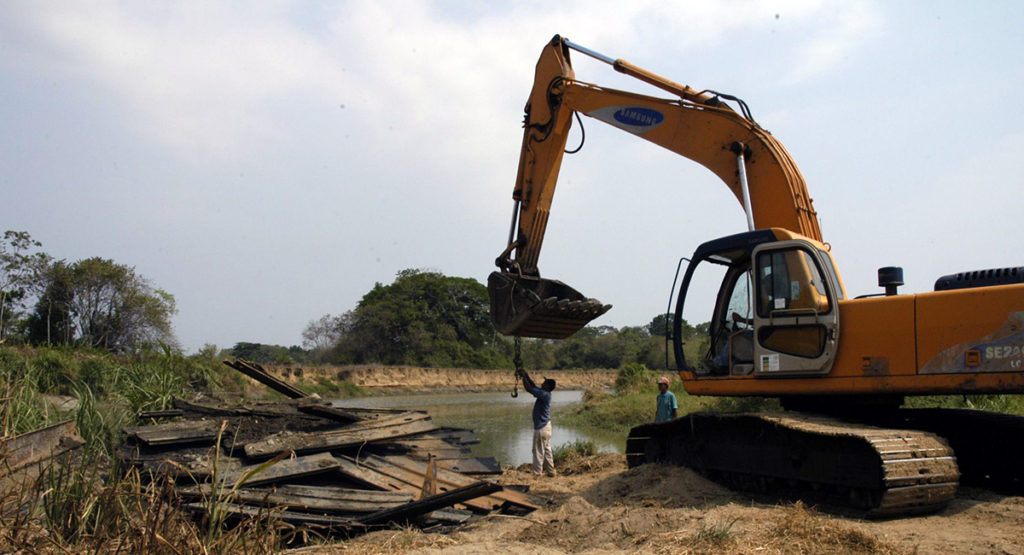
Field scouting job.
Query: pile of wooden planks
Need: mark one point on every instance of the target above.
(308, 463)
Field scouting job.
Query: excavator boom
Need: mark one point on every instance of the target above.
(698, 125)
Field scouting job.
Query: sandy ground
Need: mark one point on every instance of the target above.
(598, 506)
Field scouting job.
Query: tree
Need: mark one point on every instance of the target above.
(422, 318)
(269, 354)
(51, 322)
(18, 268)
(325, 332)
(661, 325)
(101, 304)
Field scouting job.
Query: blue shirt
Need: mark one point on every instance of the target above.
(666, 404)
(541, 407)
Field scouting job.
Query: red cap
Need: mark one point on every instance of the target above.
(663, 380)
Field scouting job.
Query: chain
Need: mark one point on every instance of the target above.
(517, 360)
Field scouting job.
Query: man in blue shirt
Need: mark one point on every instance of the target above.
(543, 461)
(667, 405)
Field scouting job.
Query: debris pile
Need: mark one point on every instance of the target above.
(332, 469)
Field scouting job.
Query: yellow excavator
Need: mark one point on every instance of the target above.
(783, 325)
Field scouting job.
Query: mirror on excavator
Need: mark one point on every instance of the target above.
(531, 306)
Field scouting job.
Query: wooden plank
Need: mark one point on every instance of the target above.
(258, 474)
(278, 409)
(427, 442)
(256, 372)
(38, 445)
(413, 509)
(403, 417)
(169, 433)
(414, 478)
(333, 492)
(331, 522)
(471, 465)
(310, 498)
(459, 480)
(320, 408)
(436, 453)
(372, 478)
(458, 436)
(172, 413)
(325, 441)
(450, 515)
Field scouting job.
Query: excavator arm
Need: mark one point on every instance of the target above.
(698, 125)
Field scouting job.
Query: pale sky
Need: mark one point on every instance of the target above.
(268, 162)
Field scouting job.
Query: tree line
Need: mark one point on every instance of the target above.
(425, 318)
(422, 318)
(93, 302)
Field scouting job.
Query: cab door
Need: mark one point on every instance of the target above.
(796, 317)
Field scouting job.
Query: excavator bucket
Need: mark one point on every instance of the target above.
(536, 307)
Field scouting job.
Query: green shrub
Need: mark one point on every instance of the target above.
(635, 376)
(53, 373)
(578, 448)
(96, 373)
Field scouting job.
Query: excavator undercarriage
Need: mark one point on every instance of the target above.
(877, 471)
(881, 463)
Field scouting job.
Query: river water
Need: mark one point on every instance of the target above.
(503, 424)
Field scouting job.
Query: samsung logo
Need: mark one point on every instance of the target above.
(639, 117)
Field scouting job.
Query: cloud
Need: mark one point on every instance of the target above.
(200, 77)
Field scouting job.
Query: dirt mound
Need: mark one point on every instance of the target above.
(658, 485)
(576, 464)
(668, 509)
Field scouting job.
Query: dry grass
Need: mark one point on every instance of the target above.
(76, 508)
(805, 531)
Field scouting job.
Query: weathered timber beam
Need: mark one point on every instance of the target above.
(38, 445)
(326, 441)
(413, 509)
(256, 372)
(266, 473)
(325, 499)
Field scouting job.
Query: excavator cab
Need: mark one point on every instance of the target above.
(775, 312)
(531, 306)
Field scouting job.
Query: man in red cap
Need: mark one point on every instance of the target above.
(667, 405)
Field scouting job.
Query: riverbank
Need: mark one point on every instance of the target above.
(410, 379)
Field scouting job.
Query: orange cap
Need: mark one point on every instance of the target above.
(663, 380)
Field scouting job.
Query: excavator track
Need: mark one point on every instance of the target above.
(878, 472)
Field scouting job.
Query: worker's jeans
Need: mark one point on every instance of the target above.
(543, 461)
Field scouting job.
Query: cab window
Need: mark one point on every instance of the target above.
(790, 281)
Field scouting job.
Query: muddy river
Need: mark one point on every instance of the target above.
(503, 424)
